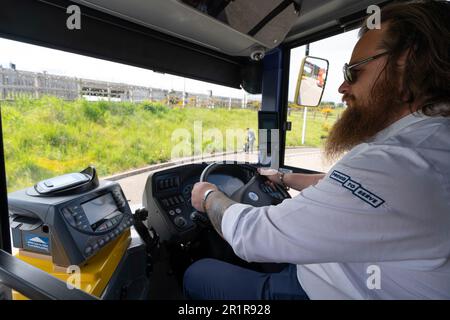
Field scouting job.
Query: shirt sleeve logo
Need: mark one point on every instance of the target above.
(357, 189)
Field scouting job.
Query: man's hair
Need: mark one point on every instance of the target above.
(421, 29)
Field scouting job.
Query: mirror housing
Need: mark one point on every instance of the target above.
(311, 81)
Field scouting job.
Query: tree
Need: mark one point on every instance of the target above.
(172, 98)
(254, 104)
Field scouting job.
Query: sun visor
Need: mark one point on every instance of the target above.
(268, 21)
(235, 28)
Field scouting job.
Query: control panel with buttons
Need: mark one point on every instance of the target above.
(96, 243)
(102, 219)
(178, 210)
(73, 227)
(174, 201)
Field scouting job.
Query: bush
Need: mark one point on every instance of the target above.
(93, 111)
(118, 108)
(155, 108)
(326, 111)
(326, 127)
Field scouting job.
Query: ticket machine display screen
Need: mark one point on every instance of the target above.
(99, 208)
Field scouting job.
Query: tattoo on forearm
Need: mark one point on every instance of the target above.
(216, 205)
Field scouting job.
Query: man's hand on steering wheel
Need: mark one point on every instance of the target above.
(198, 192)
(253, 193)
(272, 175)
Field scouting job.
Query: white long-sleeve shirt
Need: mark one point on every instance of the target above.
(377, 226)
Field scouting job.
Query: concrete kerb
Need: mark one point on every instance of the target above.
(180, 161)
(162, 165)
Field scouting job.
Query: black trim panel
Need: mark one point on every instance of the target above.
(284, 101)
(5, 239)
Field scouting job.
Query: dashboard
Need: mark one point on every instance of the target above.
(167, 195)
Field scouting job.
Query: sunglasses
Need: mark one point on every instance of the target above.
(350, 75)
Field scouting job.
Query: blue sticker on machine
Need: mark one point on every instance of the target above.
(37, 242)
(357, 189)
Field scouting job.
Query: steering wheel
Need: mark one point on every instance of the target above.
(255, 192)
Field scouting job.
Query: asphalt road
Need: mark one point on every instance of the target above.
(308, 158)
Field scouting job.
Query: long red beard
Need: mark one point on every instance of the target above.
(361, 121)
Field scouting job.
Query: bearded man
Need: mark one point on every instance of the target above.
(377, 225)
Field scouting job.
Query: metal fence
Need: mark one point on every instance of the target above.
(15, 84)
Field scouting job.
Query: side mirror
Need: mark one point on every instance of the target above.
(311, 81)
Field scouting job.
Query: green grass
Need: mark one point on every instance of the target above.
(317, 129)
(50, 136)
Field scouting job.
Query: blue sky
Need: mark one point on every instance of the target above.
(34, 58)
